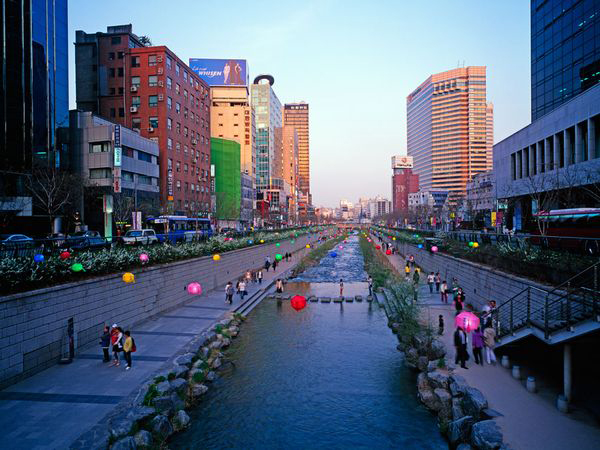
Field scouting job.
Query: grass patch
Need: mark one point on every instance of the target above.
(151, 394)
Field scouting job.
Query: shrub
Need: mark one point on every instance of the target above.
(199, 377)
(159, 379)
(151, 394)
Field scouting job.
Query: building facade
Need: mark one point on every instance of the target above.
(447, 129)
(565, 51)
(34, 96)
(153, 92)
(225, 157)
(297, 116)
(404, 182)
(289, 169)
(481, 194)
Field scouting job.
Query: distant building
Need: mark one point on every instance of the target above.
(433, 199)
(247, 206)
(296, 115)
(447, 129)
(225, 157)
(481, 195)
(379, 207)
(404, 182)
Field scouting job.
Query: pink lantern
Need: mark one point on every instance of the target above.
(341, 247)
(467, 321)
(194, 288)
(144, 258)
(434, 249)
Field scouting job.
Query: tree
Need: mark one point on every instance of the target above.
(122, 208)
(145, 40)
(544, 191)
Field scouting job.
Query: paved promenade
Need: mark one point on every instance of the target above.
(529, 421)
(54, 407)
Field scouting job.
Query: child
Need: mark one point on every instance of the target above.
(440, 325)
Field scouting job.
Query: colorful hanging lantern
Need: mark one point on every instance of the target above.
(394, 238)
(298, 302)
(38, 258)
(333, 254)
(144, 258)
(293, 241)
(262, 241)
(278, 245)
(77, 267)
(420, 246)
(434, 249)
(378, 247)
(65, 255)
(475, 244)
(250, 242)
(216, 257)
(278, 257)
(471, 244)
(307, 245)
(128, 277)
(388, 252)
(341, 247)
(194, 288)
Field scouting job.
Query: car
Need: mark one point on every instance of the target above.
(87, 233)
(87, 243)
(140, 237)
(16, 241)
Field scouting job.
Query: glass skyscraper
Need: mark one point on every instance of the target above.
(34, 96)
(565, 51)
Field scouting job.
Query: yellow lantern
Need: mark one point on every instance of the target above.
(307, 245)
(128, 277)
(216, 257)
(475, 244)
(262, 241)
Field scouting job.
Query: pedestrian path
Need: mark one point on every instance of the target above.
(53, 408)
(528, 421)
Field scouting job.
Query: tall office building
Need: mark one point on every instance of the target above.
(447, 133)
(152, 91)
(296, 115)
(34, 96)
(565, 51)
(289, 168)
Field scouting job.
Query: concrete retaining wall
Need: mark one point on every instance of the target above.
(480, 283)
(34, 324)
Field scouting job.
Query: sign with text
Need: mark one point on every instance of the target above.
(221, 72)
(118, 155)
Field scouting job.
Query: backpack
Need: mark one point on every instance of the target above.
(133, 347)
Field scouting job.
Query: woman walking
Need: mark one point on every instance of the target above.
(444, 292)
(438, 279)
(478, 346)
(229, 293)
(242, 289)
(279, 286)
(128, 347)
(116, 338)
(430, 281)
(259, 276)
(489, 336)
(341, 287)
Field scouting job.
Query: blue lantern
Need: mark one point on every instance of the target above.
(38, 258)
(333, 254)
(250, 242)
(420, 246)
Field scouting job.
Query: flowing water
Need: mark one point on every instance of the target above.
(328, 376)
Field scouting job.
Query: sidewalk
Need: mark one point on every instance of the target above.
(54, 407)
(528, 421)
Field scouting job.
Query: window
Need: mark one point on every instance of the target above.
(177, 69)
(169, 123)
(185, 112)
(177, 87)
(170, 143)
(177, 107)
(178, 166)
(169, 62)
(111, 72)
(127, 176)
(169, 83)
(151, 60)
(144, 179)
(128, 152)
(135, 101)
(120, 55)
(169, 103)
(185, 75)
(100, 173)
(185, 131)
(152, 80)
(115, 40)
(185, 167)
(111, 56)
(135, 61)
(136, 123)
(121, 112)
(113, 112)
(120, 72)
(178, 147)
(192, 116)
(99, 147)
(120, 91)
(144, 156)
(153, 122)
(112, 91)
(153, 100)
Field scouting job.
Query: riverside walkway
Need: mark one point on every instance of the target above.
(528, 420)
(51, 409)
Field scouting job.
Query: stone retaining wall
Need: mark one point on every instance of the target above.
(480, 283)
(34, 323)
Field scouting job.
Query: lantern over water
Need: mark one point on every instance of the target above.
(216, 257)
(144, 258)
(341, 247)
(250, 242)
(378, 247)
(65, 255)
(278, 257)
(298, 302)
(471, 244)
(333, 254)
(262, 241)
(278, 245)
(292, 241)
(128, 277)
(388, 252)
(420, 246)
(194, 288)
(307, 245)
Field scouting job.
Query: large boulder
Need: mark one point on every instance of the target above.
(411, 357)
(161, 427)
(198, 390)
(438, 379)
(421, 342)
(464, 447)
(180, 420)
(185, 360)
(179, 385)
(127, 443)
(473, 402)
(216, 344)
(164, 405)
(457, 412)
(459, 430)
(486, 435)
(141, 414)
(120, 426)
(436, 350)
(226, 342)
(422, 363)
(430, 400)
(179, 371)
(211, 376)
(445, 399)
(216, 363)
(163, 388)
(458, 385)
(143, 439)
(422, 383)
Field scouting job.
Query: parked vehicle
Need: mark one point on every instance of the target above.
(87, 243)
(87, 233)
(140, 237)
(16, 241)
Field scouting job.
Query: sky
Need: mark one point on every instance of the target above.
(354, 62)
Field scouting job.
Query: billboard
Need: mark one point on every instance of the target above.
(402, 162)
(221, 72)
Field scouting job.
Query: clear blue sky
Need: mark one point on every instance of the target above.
(354, 62)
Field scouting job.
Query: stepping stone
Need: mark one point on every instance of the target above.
(325, 300)
(313, 299)
(338, 300)
(358, 298)
(369, 299)
(287, 297)
(349, 299)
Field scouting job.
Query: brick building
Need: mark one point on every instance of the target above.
(404, 182)
(152, 91)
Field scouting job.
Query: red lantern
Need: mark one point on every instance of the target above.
(65, 255)
(388, 252)
(378, 247)
(298, 302)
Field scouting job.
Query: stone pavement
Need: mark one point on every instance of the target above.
(528, 420)
(54, 407)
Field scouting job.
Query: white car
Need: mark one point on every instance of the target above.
(140, 237)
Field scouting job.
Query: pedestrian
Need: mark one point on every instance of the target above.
(128, 348)
(477, 343)
(248, 276)
(341, 287)
(274, 265)
(370, 281)
(416, 277)
(444, 292)
(116, 339)
(407, 272)
(412, 260)
(259, 276)
(430, 281)
(489, 337)
(438, 279)
(105, 344)
(229, 293)
(459, 301)
(460, 343)
(237, 286)
(279, 286)
(287, 256)
(267, 263)
(242, 289)
(440, 324)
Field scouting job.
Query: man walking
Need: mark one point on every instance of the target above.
(259, 276)
(460, 343)
(229, 293)
(105, 344)
(242, 288)
(370, 281)
(430, 281)
(128, 348)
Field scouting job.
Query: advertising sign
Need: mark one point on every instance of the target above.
(118, 154)
(402, 162)
(117, 180)
(221, 72)
(170, 182)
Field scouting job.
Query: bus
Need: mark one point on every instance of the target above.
(574, 229)
(175, 229)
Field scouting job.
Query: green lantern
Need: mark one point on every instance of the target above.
(77, 267)
(278, 257)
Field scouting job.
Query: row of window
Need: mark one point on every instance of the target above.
(106, 146)
(97, 174)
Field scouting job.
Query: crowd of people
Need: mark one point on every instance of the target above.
(119, 341)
